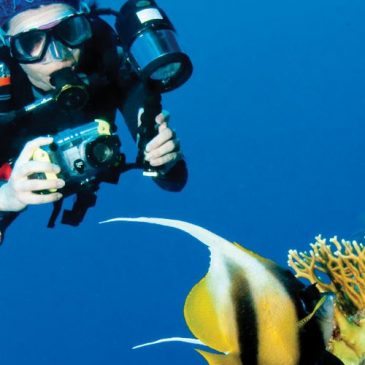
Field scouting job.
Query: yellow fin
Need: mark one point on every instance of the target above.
(255, 255)
(307, 318)
(217, 359)
(207, 323)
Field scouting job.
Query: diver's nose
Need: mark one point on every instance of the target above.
(57, 51)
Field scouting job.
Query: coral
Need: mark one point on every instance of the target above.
(338, 267)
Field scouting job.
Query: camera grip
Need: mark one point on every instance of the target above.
(148, 129)
(42, 156)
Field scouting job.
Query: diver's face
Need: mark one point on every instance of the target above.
(45, 17)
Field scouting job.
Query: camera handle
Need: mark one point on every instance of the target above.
(84, 200)
(148, 129)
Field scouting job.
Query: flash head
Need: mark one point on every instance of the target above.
(149, 39)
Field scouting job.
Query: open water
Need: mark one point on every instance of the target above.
(272, 125)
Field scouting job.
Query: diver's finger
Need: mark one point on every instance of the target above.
(163, 117)
(160, 139)
(166, 159)
(168, 147)
(39, 184)
(32, 167)
(30, 147)
(162, 127)
(35, 199)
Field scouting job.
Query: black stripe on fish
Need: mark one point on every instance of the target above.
(311, 338)
(246, 320)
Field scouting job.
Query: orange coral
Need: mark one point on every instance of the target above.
(338, 267)
(343, 263)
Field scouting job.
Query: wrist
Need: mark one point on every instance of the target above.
(8, 202)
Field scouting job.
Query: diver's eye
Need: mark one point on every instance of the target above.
(31, 43)
(73, 31)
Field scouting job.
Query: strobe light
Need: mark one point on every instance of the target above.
(149, 39)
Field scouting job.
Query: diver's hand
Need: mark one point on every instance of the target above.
(20, 190)
(163, 150)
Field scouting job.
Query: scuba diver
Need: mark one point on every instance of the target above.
(47, 45)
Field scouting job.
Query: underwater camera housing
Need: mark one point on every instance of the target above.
(87, 155)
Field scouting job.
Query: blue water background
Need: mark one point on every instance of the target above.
(272, 125)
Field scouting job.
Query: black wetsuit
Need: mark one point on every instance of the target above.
(108, 91)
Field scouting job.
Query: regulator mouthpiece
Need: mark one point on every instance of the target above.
(149, 38)
(71, 93)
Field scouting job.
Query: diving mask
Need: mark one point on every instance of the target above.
(32, 46)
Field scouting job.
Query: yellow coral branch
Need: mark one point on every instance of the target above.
(343, 262)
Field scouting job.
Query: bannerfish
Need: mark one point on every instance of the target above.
(251, 311)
